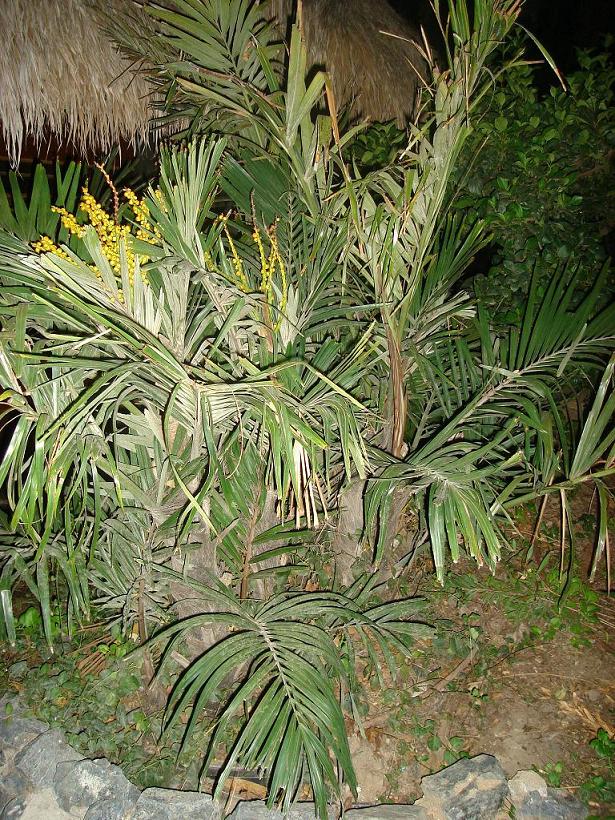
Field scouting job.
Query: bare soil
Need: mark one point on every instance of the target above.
(508, 674)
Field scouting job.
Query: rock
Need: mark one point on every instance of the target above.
(79, 785)
(40, 805)
(388, 812)
(38, 760)
(14, 808)
(559, 804)
(168, 804)
(14, 784)
(523, 784)
(111, 809)
(16, 732)
(471, 788)
(534, 800)
(18, 670)
(10, 705)
(372, 766)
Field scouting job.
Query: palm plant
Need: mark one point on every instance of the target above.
(482, 440)
(138, 397)
(297, 645)
(584, 455)
(162, 404)
(30, 217)
(193, 391)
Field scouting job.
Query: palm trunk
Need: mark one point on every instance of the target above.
(397, 410)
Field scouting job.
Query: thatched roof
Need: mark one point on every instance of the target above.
(372, 54)
(61, 75)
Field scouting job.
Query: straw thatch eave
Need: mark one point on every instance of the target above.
(374, 57)
(61, 75)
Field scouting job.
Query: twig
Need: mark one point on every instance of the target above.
(453, 674)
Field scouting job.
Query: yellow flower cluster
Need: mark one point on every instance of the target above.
(46, 245)
(111, 233)
(160, 200)
(69, 221)
(236, 260)
(269, 265)
(141, 213)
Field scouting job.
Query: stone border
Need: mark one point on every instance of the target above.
(43, 778)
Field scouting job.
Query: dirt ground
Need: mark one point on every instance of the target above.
(537, 708)
(507, 674)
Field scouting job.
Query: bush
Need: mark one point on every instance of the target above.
(543, 181)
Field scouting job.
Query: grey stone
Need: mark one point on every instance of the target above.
(112, 809)
(168, 804)
(523, 784)
(40, 805)
(388, 812)
(79, 785)
(257, 810)
(16, 732)
(567, 806)
(14, 808)
(38, 760)
(533, 799)
(13, 784)
(471, 789)
(10, 705)
(18, 670)
(558, 804)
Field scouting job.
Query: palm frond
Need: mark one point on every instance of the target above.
(295, 724)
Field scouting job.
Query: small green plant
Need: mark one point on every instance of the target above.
(101, 711)
(604, 745)
(30, 623)
(539, 600)
(553, 773)
(377, 146)
(454, 750)
(600, 787)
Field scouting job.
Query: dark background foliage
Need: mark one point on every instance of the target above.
(562, 26)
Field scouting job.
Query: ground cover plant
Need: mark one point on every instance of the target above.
(200, 378)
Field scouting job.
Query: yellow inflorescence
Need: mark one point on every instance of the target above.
(271, 263)
(236, 260)
(269, 266)
(111, 233)
(46, 245)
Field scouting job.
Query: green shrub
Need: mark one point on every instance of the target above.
(543, 181)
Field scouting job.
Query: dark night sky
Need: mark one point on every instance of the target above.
(561, 25)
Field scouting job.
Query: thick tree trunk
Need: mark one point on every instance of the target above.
(199, 564)
(346, 541)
